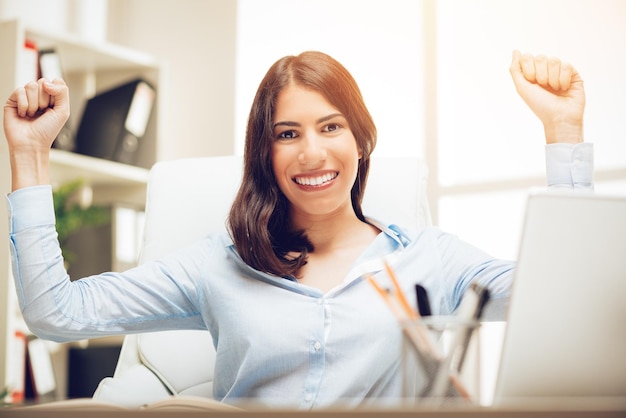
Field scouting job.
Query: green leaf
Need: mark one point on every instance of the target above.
(71, 217)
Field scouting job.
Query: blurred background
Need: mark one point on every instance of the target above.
(434, 75)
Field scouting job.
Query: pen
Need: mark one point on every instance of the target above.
(468, 312)
(423, 304)
(420, 340)
(482, 297)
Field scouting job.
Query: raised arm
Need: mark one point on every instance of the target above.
(33, 116)
(554, 91)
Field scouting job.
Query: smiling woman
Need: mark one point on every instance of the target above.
(316, 163)
(308, 102)
(284, 295)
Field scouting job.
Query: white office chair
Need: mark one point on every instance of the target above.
(188, 198)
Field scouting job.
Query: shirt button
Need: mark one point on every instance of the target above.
(308, 397)
(320, 301)
(317, 345)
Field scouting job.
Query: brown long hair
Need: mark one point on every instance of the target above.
(258, 221)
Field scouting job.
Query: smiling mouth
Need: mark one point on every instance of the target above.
(317, 180)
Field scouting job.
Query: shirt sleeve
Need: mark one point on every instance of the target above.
(570, 165)
(154, 296)
(30, 215)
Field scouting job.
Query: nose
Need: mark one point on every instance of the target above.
(313, 152)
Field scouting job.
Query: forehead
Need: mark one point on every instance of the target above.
(296, 102)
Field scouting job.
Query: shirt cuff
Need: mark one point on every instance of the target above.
(570, 165)
(30, 207)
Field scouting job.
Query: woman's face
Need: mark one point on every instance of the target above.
(314, 154)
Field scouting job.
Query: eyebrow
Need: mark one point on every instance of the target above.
(320, 120)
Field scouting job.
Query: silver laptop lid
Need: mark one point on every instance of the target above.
(566, 324)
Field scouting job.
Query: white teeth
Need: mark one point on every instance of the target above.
(315, 181)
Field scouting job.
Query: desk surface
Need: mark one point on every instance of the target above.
(536, 408)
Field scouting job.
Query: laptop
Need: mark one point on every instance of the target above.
(566, 323)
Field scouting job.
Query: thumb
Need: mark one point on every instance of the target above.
(516, 68)
(59, 93)
(59, 101)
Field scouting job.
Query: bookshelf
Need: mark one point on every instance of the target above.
(88, 68)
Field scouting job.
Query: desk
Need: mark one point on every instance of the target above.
(544, 408)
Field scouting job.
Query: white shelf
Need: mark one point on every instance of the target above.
(66, 166)
(83, 56)
(87, 68)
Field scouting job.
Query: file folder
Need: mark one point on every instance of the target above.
(114, 122)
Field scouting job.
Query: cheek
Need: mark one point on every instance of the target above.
(279, 166)
(352, 151)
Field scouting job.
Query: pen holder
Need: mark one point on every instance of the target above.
(439, 360)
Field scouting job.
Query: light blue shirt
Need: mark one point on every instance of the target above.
(278, 342)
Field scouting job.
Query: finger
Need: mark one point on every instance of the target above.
(32, 98)
(554, 73)
(44, 96)
(515, 64)
(528, 67)
(515, 68)
(59, 96)
(19, 100)
(541, 70)
(566, 75)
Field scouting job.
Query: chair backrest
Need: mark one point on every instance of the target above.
(188, 198)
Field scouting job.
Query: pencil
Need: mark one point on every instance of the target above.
(400, 294)
(399, 313)
(418, 336)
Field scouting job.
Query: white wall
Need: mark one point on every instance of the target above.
(84, 17)
(488, 136)
(195, 41)
(44, 15)
(484, 134)
(379, 42)
(477, 98)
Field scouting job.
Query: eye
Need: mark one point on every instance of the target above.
(331, 127)
(287, 135)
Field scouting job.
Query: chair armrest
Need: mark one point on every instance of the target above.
(133, 388)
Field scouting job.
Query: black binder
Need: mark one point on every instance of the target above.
(114, 122)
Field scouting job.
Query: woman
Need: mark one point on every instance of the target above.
(283, 295)
(291, 165)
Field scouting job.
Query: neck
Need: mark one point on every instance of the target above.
(333, 232)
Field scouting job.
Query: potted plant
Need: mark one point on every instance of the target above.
(74, 210)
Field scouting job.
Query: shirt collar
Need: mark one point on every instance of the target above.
(371, 261)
